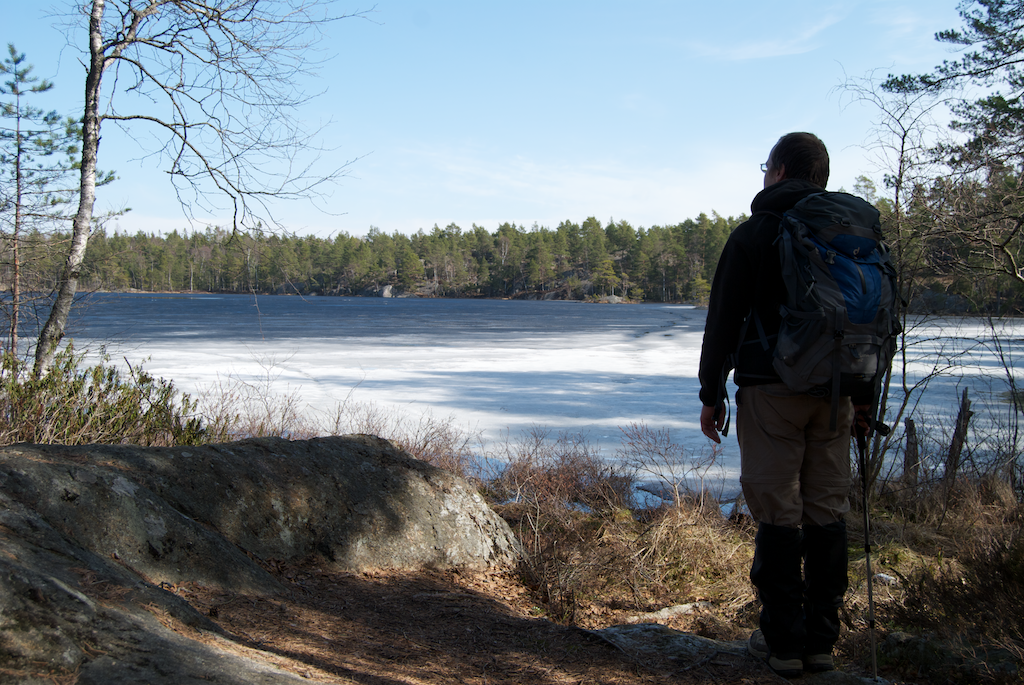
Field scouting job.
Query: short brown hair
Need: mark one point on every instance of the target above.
(803, 155)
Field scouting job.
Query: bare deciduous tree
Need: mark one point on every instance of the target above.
(217, 84)
(901, 141)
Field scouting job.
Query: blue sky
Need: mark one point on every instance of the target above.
(537, 112)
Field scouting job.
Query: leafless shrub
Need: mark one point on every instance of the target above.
(564, 474)
(688, 475)
(254, 409)
(560, 495)
(439, 441)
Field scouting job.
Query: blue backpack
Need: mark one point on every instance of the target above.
(840, 320)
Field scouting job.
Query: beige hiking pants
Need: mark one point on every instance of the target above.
(793, 469)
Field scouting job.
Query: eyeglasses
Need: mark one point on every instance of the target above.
(764, 168)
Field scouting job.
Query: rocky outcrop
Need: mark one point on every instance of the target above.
(379, 291)
(90, 536)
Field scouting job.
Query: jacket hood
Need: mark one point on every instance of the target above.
(783, 195)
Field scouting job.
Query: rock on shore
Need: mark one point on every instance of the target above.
(90, 536)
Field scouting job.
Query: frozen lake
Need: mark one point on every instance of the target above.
(495, 367)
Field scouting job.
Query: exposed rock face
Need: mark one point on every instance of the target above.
(122, 520)
(378, 291)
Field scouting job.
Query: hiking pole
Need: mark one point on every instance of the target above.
(862, 444)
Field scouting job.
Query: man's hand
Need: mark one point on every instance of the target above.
(712, 420)
(861, 419)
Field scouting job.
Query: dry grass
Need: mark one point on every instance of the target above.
(595, 556)
(558, 476)
(586, 568)
(955, 554)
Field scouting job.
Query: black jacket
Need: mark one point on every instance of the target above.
(749, 277)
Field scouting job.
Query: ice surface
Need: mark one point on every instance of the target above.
(500, 378)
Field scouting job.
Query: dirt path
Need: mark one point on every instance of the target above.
(405, 628)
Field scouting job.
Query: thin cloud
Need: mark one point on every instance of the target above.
(796, 42)
(911, 33)
(525, 190)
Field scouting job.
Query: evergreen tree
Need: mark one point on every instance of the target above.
(35, 171)
(569, 233)
(410, 268)
(540, 266)
(604, 276)
(977, 205)
(594, 252)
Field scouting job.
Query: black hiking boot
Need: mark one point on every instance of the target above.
(786, 667)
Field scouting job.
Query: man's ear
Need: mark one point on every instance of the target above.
(780, 173)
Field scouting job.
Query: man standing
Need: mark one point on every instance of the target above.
(795, 468)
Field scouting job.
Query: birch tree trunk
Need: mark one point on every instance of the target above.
(53, 330)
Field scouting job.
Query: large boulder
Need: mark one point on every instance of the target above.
(172, 513)
(90, 536)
